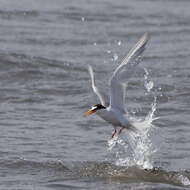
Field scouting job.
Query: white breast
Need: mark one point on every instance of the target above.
(110, 116)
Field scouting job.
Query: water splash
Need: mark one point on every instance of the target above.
(137, 149)
(183, 179)
(148, 84)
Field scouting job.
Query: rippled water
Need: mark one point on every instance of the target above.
(46, 141)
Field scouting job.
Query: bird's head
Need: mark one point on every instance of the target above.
(94, 109)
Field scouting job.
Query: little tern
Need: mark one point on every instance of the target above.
(115, 113)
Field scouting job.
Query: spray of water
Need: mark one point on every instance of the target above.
(136, 149)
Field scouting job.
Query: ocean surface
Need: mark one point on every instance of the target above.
(46, 142)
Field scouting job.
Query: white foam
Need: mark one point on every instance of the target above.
(184, 180)
(137, 148)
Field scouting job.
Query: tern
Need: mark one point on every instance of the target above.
(115, 113)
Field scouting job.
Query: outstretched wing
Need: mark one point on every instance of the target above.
(123, 72)
(95, 89)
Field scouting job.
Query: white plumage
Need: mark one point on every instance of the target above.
(115, 113)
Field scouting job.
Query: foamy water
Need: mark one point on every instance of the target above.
(135, 148)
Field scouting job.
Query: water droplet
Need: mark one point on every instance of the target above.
(149, 85)
(115, 57)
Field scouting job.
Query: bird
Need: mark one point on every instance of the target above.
(116, 114)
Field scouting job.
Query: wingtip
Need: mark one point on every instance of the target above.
(146, 36)
(144, 39)
(89, 66)
(90, 70)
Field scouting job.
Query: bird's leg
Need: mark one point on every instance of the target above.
(113, 134)
(120, 131)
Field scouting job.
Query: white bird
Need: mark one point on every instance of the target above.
(115, 113)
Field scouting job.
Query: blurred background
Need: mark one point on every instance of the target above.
(45, 47)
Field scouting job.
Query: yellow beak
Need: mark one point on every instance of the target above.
(89, 112)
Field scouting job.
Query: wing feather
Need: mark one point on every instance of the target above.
(123, 72)
(95, 89)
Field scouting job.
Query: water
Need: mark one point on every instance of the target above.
(46, 141)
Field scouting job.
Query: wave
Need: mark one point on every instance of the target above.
(99, 170)
(134, 174)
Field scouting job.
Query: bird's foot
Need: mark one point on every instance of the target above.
(120, 131)
(113, 134)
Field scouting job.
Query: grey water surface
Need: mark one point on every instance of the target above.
(46, 142)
